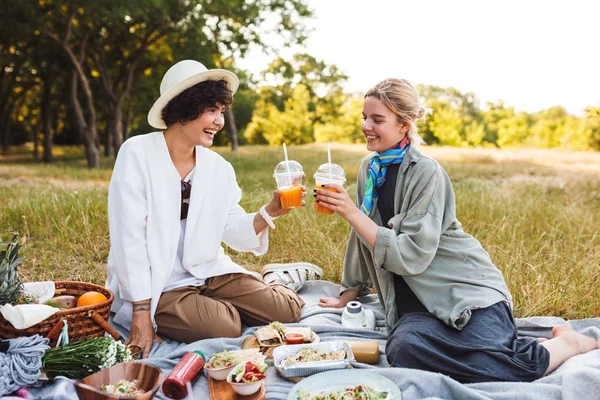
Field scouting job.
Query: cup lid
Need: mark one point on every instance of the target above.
(330, 171)
(289, 167)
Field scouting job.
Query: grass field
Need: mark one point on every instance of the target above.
(535, 211)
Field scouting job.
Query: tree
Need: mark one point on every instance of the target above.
(591, 123)
(455, 120)
(548, 128)
(346, 128)
(17, 75)
(65, 25)
(125, 32)
(447, 125)
(293, 125)
(513, 128)
(234, 26)
(324, 97)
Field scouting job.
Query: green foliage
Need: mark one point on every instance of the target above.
(11, 288)
(456, 119)
(84, 357)
(549, 128)
(304, 92)
(293, 125)
(448, 127)
(514, 129)
(574, 134)
(123, 49)
(591, 123)
(344, 129)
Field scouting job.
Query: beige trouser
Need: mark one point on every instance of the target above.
(222, 306)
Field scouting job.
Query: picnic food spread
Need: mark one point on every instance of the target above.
(230, 358)
(359, 392)
(249, 372)
(313, 355)
(294, 338)
(272, 334)
(123, 388)
(223, 360)
(276, 333)
(92, 353)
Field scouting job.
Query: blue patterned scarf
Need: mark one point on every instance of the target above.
(377, 169)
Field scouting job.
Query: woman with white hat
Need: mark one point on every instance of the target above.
(171, 203)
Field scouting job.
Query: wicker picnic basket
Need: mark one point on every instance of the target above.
(83, 322)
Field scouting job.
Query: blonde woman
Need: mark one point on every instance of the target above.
(447, 306)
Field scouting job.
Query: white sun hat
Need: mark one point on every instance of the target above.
(182, 76)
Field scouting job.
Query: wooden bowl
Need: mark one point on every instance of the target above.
(148, 377)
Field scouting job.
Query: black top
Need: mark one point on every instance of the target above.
(406, 300)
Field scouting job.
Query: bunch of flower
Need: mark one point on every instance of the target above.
(84, 357)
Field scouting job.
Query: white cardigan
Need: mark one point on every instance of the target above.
(144, 200)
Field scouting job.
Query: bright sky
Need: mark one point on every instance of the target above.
(532, 54)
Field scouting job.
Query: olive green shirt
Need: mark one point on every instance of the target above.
(446, 268)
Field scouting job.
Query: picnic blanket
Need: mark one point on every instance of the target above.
(577, 379)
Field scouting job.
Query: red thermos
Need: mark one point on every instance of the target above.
(175, 386)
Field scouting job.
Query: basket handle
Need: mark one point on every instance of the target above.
(56, 330)
(102, 322)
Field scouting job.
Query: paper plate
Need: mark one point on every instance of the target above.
(331, 381)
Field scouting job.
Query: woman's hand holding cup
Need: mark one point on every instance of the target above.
(338, 201)
(274, 208)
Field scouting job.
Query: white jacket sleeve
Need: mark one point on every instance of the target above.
(127, 214)
(239, 231)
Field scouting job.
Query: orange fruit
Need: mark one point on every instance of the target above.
(89, 298)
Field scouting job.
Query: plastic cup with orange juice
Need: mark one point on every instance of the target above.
(326, 174)
(289, 175)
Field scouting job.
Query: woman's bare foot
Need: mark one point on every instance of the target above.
(566, 343)
(575, 339)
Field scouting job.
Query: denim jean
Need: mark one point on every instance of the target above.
(487, 349)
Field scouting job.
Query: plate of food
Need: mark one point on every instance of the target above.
(304, 360)
(276, 334)
(343, 384)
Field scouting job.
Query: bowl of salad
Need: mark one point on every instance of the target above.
(128, 380)
(246, 378)
(221, 364)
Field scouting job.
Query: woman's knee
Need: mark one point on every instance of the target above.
(289, 314)
(222, 328)
(289, 310)
(403, 348)
(189, 334)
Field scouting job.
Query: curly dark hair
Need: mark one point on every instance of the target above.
(192, 102)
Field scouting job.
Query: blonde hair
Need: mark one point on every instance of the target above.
(401, 97)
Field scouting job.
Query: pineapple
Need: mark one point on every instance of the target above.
(11, 288)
